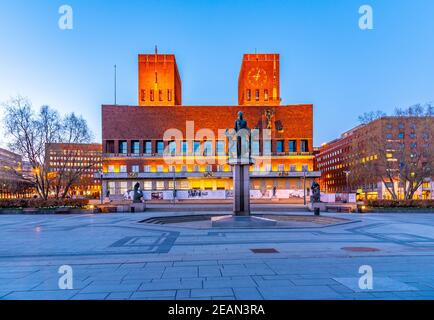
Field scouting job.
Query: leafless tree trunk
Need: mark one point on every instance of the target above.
(30, 132)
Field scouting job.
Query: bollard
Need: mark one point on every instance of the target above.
(317, 211)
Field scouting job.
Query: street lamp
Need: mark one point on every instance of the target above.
(347, 174)
(174, 184)
(101, 175)
(304, 187)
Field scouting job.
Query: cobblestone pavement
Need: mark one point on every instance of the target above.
(115, 257)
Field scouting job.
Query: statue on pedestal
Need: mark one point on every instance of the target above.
(316, 192)
(138, 194)
(239, 148)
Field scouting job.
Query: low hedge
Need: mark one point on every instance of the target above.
(43, 204)
(424, 204)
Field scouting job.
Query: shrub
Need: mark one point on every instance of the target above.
(425, 204)
(43, 204)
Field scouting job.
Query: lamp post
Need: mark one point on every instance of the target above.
(174, 185)
(101, 175)
(304, 187)
(347, 174)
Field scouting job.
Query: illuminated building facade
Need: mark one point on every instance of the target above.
(338, 159)
(76, 160)
(166, 146)
(13, 174)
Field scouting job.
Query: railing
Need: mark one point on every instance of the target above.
(193, 154)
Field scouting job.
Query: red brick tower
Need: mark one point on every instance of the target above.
(159, 80)
(259, 80)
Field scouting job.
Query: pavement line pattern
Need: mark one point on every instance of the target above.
(116, 257)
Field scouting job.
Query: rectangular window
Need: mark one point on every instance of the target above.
(160, 169)
(143, 95)
(293, 168)
(265, 95)
(123, 168)
(304, 146)
(112, 187)
(292, 146)
(184, 169)
(401, 135)
(267, 147)
(281, 168)
(172, 148)
(257, 95)
(159, 185)
(111, 169)
(123, 147)
(147, 168)
(249, 95)
(135, 169)
(110, 146)
(305, 168)
(160, 95)
(184, 147)
(169, 95)
(147, 185)
(196, 147)
(221, 148)
(148, 147)
(209, 169)
(160, 147)
(135, 147)
(389, 136)
(152, 94)
(279, 146)
(255, 148)
(208, 148)
(196, 169)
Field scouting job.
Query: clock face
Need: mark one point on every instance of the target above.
(257, 76)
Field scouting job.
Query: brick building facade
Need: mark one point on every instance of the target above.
(161, 141)
(380, 146)
(77, 163)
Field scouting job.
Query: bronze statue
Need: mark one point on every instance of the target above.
(316, 192)
(240, 123)
(138, 194)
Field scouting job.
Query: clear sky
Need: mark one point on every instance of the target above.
(326, 59)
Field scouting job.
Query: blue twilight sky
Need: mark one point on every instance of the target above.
(325, 58)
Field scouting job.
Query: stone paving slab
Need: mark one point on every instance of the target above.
(115, 257)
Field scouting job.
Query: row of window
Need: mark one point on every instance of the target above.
(197, 168)
(257, 95)
(206, 148)
(152, 95)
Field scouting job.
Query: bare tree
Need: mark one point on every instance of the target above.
(73, 165)
(402, 157)
(29, 133)
(368, 117)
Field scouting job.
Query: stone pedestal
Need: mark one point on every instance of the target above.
(241, 183)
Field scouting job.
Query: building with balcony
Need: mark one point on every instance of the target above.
(165, 145)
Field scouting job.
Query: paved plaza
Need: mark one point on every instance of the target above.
(114, 256)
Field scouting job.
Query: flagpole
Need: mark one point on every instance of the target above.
(115, 84)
